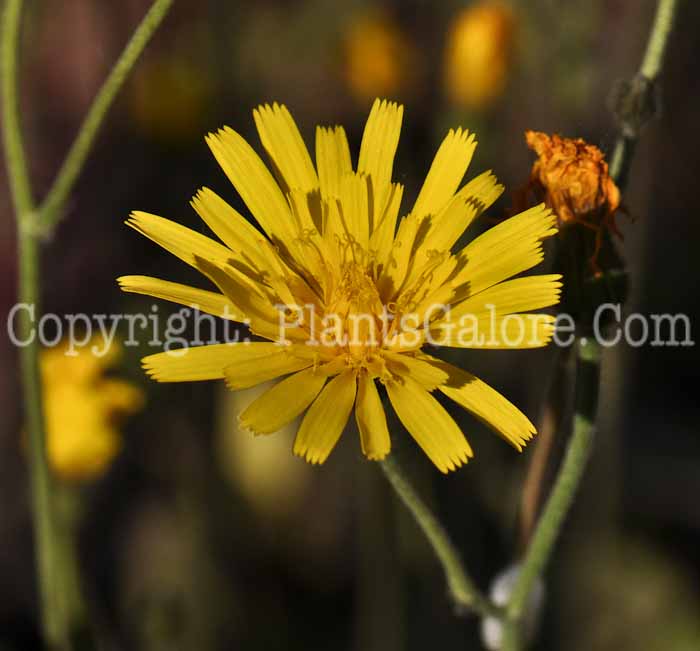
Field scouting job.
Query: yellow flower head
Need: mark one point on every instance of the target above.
(82, 408)
(347, 294)
(377, 56)
(478, 54)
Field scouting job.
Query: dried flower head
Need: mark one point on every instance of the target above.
(571, 176)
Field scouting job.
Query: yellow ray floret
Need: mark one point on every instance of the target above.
(346, 291)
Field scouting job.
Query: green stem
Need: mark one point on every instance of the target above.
(462, 589)
(658, 40)
(511, 636)
(51, 208)
(54, 617)
(562, 495)
(12, 134)
(28, 293)
(59, 615)
(637, 105)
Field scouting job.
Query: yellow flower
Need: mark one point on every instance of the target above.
(356, 297)
(377, 55)
(478, 54)
(82, 408)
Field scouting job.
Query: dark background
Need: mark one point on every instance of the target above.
(202, 538)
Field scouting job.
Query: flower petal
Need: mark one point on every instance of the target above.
(456, 216)
(429, 424)
(354, 206)
(487, 404)
(200, 299)
(283, 142)
(254, 183)
(382, 236)
(400, 257)
(332, 159)
(446, 173)
(510, 296)
(326, 418)
(379, 142)
(509, 331)
(426, 374)
(246, 242)
(263, 311)
(507, 249)
(203, 362)
(371, 420)
(182, 242)
(282, 403)
(249, 371)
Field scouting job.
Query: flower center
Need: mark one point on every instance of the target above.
(355, 311)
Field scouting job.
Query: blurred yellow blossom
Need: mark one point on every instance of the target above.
(478, 54)
(83, 408)
(271, 480)
(377, 56)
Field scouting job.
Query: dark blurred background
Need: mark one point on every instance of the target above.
(199, 537)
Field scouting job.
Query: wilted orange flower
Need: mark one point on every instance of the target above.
(572, 178)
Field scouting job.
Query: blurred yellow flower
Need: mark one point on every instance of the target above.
(377, 56)
(272, 481)
(478, 54)
(347, 294)
(82, 409)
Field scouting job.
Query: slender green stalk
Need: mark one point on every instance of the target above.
(462, 589)
(28, 293)
(12, 134)
(562, 495)
(56, 576)
(511, 636)
(51, 208)
(637, 103)
(656, 47)
(52, 612)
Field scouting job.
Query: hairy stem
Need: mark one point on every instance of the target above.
(568, 479)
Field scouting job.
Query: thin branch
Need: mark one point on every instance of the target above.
(463, 590)
(51, 208)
